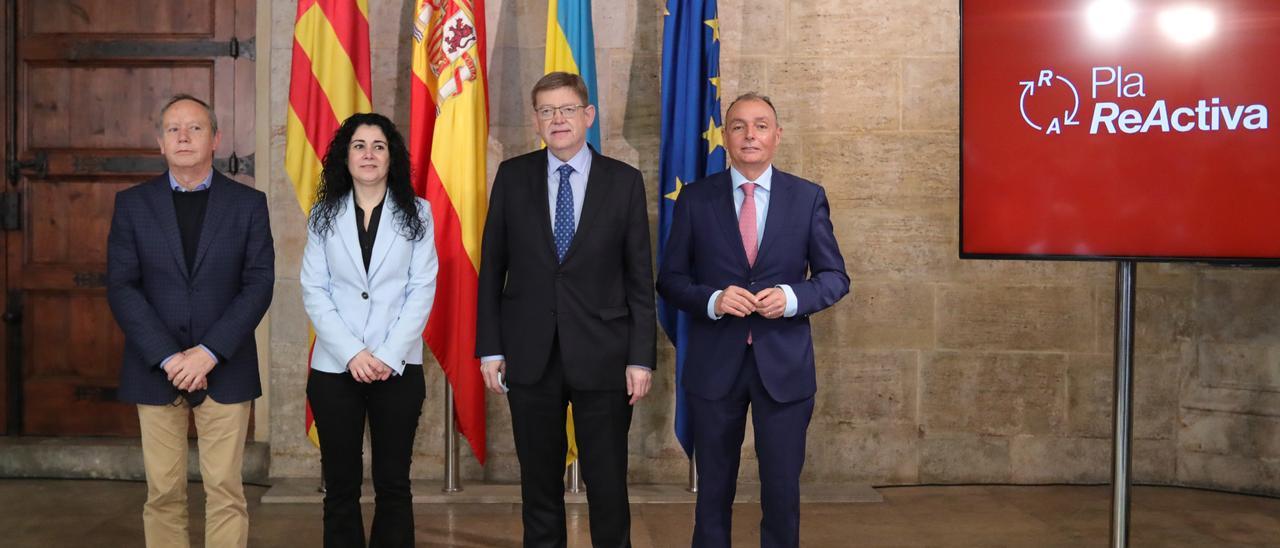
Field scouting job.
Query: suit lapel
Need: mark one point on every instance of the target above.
(727, 218)
(592, 203)
(159, 194)
(215, 215)
(386, 235)
(780, 200)
(542, 215)
(346, 230)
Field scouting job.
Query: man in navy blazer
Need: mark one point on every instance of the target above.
(190, 269)
(751, 254)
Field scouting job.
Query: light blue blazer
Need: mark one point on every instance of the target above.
(383, 311)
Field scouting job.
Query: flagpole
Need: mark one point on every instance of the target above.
(452, 483)
(693, 476)
(575, 478)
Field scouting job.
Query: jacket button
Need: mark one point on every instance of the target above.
(364, 295)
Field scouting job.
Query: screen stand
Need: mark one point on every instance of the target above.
(1122, 431)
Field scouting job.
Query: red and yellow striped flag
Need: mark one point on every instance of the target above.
(448, 137)
(330, 82)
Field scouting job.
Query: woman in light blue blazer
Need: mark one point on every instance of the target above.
(368, 281)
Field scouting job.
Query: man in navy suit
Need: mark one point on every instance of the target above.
(751, 254)
(190, 269)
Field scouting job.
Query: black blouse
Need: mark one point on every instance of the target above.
(368, 236)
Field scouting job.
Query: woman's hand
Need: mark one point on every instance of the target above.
(366, 368)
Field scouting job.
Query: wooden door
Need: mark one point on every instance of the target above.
(89, 79)
(8, 335)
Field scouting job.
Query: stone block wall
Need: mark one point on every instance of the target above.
(933, 370)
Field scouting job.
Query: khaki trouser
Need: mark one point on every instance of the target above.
(220, 431)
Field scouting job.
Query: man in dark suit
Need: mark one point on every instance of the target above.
(190, 269)
(751, 254)
(566, 312)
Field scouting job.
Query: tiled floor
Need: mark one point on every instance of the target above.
(56, 513)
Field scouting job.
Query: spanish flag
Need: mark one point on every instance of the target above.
(448, 137)
(571, 47)
(329, 82)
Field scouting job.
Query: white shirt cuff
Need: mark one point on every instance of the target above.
(711, 305)
(493, 358)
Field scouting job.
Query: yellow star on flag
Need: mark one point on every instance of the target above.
(715, 82)
(715, 28)
(675, 193)
(714, 135)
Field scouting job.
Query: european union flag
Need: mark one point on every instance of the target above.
(692, 143)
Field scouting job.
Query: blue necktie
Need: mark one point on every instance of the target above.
(564, 213)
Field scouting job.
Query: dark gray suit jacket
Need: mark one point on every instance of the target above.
(599, 302)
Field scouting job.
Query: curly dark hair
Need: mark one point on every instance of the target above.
(336, 183)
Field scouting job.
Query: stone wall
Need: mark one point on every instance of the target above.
(1229, 427)
(934, 370)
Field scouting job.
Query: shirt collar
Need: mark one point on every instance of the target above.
(578, 162)
(204, 185)
(765, 180)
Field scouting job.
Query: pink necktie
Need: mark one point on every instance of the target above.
(747, 227)
(747, 222)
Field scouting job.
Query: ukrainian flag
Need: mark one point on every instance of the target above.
(571, 47)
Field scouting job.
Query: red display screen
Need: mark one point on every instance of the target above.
(1120, 129)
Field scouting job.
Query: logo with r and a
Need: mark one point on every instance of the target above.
(1063, 107)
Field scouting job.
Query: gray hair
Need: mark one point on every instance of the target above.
(753, 96)
(213, 119)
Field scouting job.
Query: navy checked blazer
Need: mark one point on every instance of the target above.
(163, 309)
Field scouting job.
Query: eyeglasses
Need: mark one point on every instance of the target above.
(568, 111)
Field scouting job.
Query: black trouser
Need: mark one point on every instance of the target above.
(339, 405)
(601, 420)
